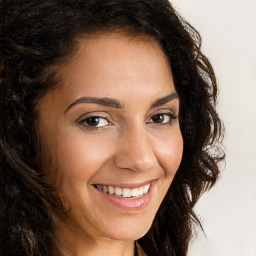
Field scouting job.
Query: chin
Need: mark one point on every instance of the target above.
(128, 231)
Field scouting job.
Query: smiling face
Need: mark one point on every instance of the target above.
(111, 135)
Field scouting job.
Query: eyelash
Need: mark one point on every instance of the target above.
(84, 121)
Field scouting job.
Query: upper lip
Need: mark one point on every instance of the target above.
(127, 184)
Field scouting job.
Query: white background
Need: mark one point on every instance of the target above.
(228, 211)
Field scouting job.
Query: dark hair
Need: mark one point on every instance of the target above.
(35, 38)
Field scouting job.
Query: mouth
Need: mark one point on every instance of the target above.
(127, 197)
(132, 193)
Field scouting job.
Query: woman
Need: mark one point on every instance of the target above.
(103, 103)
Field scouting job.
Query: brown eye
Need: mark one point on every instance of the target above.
(159, 118)
(92, 121)
(162, 118)
(95, 121)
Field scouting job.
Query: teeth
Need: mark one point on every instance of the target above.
(125, 192)
(118, 191)
(111, 190)
(141, 191)
(146, 188)
(99, 186)
(135, 192)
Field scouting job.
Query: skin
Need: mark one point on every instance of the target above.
(130, 146)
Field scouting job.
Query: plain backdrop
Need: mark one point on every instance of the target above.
(228, 211)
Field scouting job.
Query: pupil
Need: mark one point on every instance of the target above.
(93, 121)
(158, 118)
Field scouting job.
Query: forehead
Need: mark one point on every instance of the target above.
(109, 64)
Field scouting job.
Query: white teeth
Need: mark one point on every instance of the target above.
(135, 192)
(118, 191)
(125, 192)
(111, 190)
(146, 188)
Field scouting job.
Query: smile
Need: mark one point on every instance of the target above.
(127, 197)
(124, 192)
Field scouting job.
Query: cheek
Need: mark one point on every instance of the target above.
(79, 156)
(170, 152)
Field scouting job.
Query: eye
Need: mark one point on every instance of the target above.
(94, 122)
(162, 118)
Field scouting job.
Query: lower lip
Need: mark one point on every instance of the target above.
(128, 204)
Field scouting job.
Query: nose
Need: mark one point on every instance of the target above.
(135, 151)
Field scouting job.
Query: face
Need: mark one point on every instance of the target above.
(111, 135)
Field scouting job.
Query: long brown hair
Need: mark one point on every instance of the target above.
(35, 38)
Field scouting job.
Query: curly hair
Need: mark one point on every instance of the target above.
(35, 38)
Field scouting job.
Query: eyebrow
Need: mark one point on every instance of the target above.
(114, 103)
(165, 100)
(108, 102)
